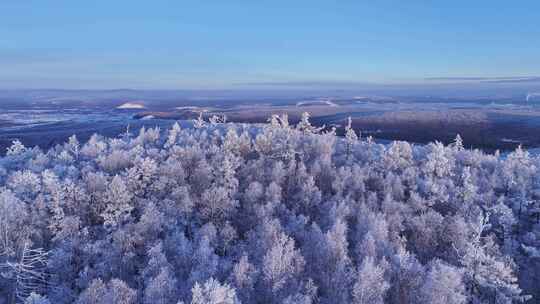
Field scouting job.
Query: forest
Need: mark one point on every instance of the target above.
(228, 213)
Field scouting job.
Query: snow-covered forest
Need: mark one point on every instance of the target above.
(224, 213)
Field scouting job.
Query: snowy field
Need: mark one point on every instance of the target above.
(50, 117)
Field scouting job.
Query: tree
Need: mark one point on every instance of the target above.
(516, 171)
(94, 147)
(237, 145)
(488, 275)
(95, 293)
(173, 135)
(214, 119)
(156, 261)
(115, 291)
(118, 199)
(336, 274)
(142, 175)
(35, 298)
(458, 143)
(438, 163)
(282, 267)
(305, 125)
(27, 272)
(443, 285)
(213, 292)
(226, 174)
(120, 293)
(204, 262)
(425, 235)
(16, 148)
(243, 278)
(216, 205)
(22, 268)
(25, 183)
(13, 224)
(199, 122)
(162, 288)
(398, 157)
(351, 138)
(468, 189)
(308, 295)
(406, 280)
(73, 146)
(370, 286)
(502, 221)
(372, 225)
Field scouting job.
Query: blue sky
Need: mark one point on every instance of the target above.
(230, 44)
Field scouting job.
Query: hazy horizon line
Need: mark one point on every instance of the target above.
(309, 84)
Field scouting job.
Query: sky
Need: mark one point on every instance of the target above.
(257, 43)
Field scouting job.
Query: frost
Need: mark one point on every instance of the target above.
(274, 213)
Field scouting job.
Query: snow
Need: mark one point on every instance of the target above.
(130, 106)
(280, 214)
(326, 102)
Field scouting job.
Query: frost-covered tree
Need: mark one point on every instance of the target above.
(243, 278)
(351, 138)
(35, 298)
(212, 292)
(305, 125)
(16, 148)
(205, 262)
(443, 284)
(371, 285)
(162, 288)
(336, 274)
(282, 267)
(199, 122)
(117, 203)
(173, 135)
(488, 274)
(115, 291)
(266, 213)
(216, 205)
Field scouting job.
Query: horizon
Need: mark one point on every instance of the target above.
(436, 86)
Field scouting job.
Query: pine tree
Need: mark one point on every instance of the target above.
(305, 125)
(173, 135)
(199, 122)
(458, 143)
(16, 148)
(351, 138)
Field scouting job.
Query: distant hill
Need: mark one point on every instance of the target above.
(131, 106)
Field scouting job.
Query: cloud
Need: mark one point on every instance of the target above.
(318, 84)
(512, 79)
(517, 80)
(359, 84)
(458, 78)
